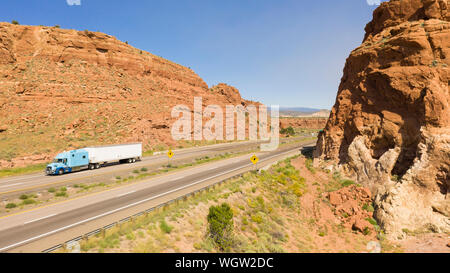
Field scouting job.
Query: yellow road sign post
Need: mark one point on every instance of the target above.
(254, 159)
(170, 154)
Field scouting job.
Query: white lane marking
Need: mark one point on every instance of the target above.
(131, 205)
(6, 186)
(35, 220)
(123, 194)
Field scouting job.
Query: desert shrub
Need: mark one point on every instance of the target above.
(23, 197)
(347, 182)
(287, 131)
(14, 22)
(51, 190)
(309, 165)
(257, 218)
(61, 194)
(368, 207)
(165, 227)
(11, 205)
(220, 219)
(28, 201)
(298, 188)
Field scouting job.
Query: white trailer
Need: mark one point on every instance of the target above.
(112, 153)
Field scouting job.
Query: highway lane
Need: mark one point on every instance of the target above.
(27, 226)
(26, 183)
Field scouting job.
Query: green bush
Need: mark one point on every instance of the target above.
(23, 197)
(288, 131)
(11, 205)
(372, 221)
(368, 207)
(28, 201)
(51, 190)
(165, 227)
(144, 169)
(347, 182)
(220, 219)
(14, 22)
(61, 194)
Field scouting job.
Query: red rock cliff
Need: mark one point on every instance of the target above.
(390, 125)
(65, 88)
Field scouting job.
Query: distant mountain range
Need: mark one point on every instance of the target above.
(303, 112)
(299, 109)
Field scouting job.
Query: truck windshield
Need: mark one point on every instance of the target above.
(60, 160)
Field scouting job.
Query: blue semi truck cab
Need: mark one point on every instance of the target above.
(67, 162)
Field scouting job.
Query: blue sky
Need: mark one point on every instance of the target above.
(283, 52)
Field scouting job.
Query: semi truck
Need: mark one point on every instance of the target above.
(94, 157)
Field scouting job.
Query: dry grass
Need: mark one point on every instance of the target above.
(268, 217)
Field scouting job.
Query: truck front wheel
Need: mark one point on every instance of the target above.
(61, 171)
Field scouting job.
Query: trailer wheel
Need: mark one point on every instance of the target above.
(134, 160)
(130, 160)
(97, 166)
(91, 166)
(61, 171)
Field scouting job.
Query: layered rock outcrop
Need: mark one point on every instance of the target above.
(307, 123)
(63, 89)
(390, 125)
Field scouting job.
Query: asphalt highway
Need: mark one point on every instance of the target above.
(32, 182)
(27, 226)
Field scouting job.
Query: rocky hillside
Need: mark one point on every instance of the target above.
(390, 125)
(305, 123)
(63, 89)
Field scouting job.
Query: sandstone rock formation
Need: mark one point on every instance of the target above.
(63, 89)
(307, 123)
(390, 126)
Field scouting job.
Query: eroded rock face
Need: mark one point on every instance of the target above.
(390, 126)
(62, 89)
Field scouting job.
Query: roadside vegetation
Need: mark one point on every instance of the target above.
(23, 170)
(269, 211)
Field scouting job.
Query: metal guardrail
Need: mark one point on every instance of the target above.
(129, 218)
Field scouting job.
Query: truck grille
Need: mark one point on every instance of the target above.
(49, 170)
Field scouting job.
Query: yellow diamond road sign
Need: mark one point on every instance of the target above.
(170, 154)
(254, 159)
